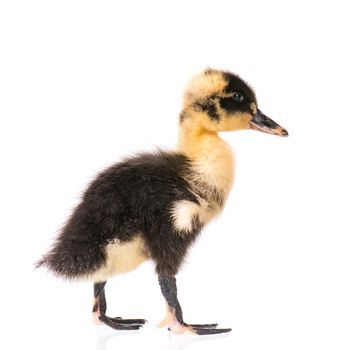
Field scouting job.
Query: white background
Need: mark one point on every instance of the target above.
(83, 83)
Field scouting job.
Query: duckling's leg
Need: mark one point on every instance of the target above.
(99, 310)
(174, 319)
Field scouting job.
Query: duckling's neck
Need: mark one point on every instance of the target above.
(211, 156)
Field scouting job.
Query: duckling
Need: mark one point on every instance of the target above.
(154, 205)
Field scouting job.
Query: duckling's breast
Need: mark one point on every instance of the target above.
(210, 179)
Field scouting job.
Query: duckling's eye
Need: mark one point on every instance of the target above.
(237, 96)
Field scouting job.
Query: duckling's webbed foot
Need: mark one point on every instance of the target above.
(99, 312)
(174, 319)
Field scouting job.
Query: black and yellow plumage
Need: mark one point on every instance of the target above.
(154, 205)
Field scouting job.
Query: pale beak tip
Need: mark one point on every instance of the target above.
(284, 133)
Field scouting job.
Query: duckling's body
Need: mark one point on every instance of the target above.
(154, 205)
(130, 213)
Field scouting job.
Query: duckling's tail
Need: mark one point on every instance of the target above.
(72, 260)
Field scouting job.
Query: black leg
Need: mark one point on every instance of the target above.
(169, 291)
(99, 310)
(99, 297)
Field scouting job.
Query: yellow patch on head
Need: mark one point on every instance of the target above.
(204, 85)
(236, 121)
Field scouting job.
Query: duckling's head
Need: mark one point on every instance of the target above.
(221, 101)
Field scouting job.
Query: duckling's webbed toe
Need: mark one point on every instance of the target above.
(115, 324)
(208, 331)
(174, 318)
(99, 312)
(139, 321)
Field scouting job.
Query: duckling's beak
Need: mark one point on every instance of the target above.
(262, 123)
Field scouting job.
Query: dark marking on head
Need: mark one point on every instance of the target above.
(212, 111)
(183, 116)
(209, 107)
(236, 84)
(229, 104)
